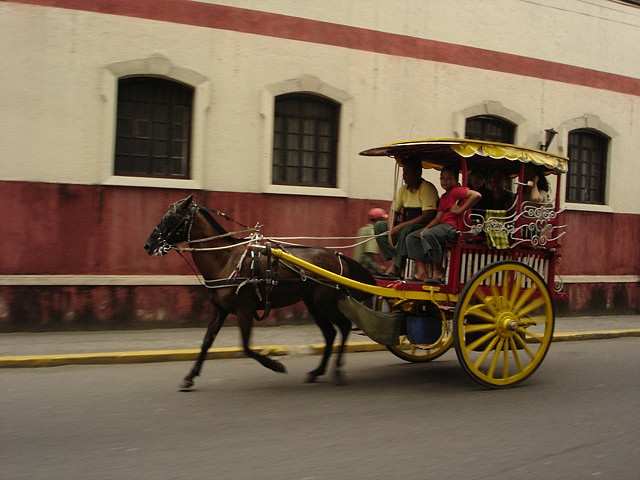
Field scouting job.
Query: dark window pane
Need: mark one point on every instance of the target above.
(587, 166)
(153, 130)
(305, 140)
(490, 128)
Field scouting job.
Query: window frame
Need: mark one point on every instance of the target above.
(293, 128)
(160, 66)
(313, 85)
(491, 120)
(602, 151)
(135, 142)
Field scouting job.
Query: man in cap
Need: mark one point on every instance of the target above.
(367, 253)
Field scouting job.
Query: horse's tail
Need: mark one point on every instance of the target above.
(360, 274)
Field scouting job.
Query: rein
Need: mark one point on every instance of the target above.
(270, 279)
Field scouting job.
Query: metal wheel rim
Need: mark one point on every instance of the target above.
(503, 324)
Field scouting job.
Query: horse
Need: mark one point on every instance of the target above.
(244, 282)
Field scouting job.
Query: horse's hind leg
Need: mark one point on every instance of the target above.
(245, 320)
(215, 324)
(329, 334)
(344, 324)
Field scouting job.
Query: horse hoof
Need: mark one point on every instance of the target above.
(311, 378)
(279, 367)
(186, 385)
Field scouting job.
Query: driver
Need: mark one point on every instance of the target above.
(415, 206)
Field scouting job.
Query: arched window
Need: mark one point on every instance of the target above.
(153, 132)
(587, 166)
(305, 140)
(491, 128)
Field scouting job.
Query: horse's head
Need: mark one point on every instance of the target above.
(173, 228)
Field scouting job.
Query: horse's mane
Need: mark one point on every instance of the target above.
(214, 223)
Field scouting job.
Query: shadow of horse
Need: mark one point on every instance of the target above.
(244, 281)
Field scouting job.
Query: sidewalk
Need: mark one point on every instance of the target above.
(136, 346)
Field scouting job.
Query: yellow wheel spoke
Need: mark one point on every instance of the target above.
(505, 360)
(478, 311)
(532, 335)
(516, 355)
(483, 298)
(481, 327)
(506, 287)
(489, 348)
(494, 360)
(524, 346)
(538, 302)
(485, 338)
(516, 290)
(494, 291)
(527, 321)
(523, 298)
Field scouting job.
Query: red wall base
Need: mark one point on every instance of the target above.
(112, 308)
(601, 299)
(55, 229)
(107, 308)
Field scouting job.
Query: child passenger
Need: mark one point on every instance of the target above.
(425, 245)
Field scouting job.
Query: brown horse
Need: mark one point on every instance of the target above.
(242, 282)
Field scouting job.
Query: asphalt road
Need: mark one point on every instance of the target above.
(576, 417)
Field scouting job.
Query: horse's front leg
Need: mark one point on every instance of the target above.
(245, 321)
(219, 316)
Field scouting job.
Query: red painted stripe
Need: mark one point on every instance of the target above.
(294, 28)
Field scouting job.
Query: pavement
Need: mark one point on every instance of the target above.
(47, 349)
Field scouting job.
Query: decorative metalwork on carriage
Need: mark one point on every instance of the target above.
(558, 283)
(536, 225)
(533, 225)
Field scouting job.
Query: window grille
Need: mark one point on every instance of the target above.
(153, 132)
(490, 128)
(587, 166)
(305, 140)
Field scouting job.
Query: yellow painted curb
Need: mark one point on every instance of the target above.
(370, 346)
(594, 335)
(150, 356)
(143, 356)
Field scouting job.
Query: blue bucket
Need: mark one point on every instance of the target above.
(423, 330)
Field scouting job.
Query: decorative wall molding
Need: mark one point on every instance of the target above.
(188, 280)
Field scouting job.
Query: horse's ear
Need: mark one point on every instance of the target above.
(188, 200)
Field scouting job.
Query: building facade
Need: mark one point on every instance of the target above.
(115, 109)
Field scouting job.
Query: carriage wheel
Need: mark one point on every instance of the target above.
(418, 353)
(503, 324)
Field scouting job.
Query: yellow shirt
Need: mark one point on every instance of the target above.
(424, 197)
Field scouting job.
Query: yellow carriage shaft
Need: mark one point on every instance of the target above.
(428, 293)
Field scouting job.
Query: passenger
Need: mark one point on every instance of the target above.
(415, 206)
(367, 253)
(500, 197)
(478, 182)
(426, 245)
(539, 191)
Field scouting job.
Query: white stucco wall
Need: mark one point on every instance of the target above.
(60, 67)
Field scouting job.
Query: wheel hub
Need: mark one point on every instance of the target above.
(507, 325)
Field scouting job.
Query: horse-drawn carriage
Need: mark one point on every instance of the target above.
(494, 306)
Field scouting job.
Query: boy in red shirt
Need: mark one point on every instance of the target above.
(426, 245)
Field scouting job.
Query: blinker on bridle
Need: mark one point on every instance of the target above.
(180, 232)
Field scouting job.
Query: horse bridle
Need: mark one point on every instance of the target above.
(180, 232)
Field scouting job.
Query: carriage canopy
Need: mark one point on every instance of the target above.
(439, 152)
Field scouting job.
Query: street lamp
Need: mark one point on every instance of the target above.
(550, 133)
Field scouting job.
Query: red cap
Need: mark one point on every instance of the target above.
(377, 213)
